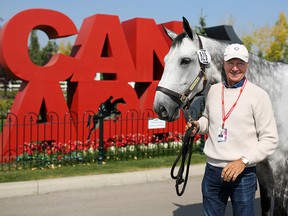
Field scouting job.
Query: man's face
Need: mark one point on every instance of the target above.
(235, 70)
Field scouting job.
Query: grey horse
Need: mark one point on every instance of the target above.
(181, 68)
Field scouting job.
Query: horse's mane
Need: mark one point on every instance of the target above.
(178, 40)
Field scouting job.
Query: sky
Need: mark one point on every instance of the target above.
(245, 14)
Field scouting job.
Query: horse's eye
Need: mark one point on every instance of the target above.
(185, 61)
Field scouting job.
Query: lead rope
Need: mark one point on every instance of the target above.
(186, 150)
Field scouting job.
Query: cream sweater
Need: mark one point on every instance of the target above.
(251, 127)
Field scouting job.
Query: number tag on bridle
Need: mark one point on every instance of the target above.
(204, 56)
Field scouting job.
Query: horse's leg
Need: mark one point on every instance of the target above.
(266, 182)
(95, 121)
(279, 209)
(90, 131)
(281, 191)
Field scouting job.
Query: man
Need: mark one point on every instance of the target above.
(242, 131)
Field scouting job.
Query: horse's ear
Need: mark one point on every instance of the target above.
(172, 35)
(187, 28)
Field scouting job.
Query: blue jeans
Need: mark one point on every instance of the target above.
(216, 192)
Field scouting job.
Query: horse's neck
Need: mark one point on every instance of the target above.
(262, 71)
(216, 49)
(273, 78)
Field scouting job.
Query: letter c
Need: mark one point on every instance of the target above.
(14, 36)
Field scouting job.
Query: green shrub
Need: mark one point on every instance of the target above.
(5, 106)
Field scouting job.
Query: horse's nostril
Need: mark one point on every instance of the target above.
(163, 111)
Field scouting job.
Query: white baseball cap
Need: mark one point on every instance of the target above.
(236, 51)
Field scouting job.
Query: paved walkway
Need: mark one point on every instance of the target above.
(145, 193)
(8, 190)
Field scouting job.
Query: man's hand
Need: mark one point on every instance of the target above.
(195, 126)
(233, 170)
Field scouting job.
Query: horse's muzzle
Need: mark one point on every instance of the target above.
(163, 112)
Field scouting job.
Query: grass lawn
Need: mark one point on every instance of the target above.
(94, 168)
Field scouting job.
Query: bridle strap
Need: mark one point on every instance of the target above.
(182, 99)
(173, 95)
(194, 85)
(200, 42)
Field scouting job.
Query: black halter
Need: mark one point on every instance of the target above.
(183, 99)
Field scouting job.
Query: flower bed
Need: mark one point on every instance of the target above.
(123, 147)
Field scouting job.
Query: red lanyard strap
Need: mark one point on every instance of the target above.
(225, 117)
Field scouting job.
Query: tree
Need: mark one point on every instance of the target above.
(47, 52)
(202, 24)
(34, 48)
(248, 41)
(65, 48)
(40, 56)
(270, 43)
(37, 55)
(5, 78)
(1, 20)
(285, 53)
(278, 47)
(262, 39)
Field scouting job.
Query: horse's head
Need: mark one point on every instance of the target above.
(183, 65)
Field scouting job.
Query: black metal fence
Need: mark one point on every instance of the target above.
(40, 142)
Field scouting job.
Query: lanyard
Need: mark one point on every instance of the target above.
(225, 117)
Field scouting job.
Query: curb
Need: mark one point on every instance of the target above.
(37, 187)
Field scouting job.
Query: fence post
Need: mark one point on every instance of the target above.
(101, 156)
